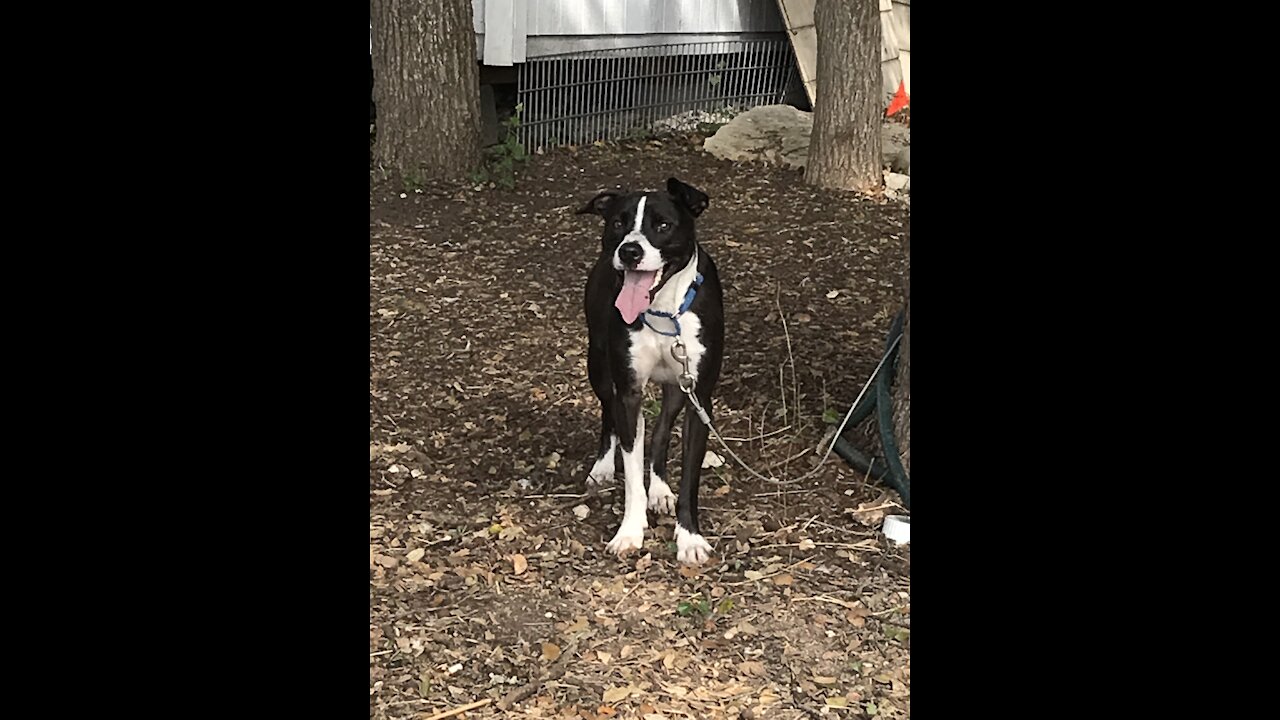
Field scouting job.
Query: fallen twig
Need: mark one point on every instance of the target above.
(849, 605)
(577, 499)
(791, 358)
(565, 495)
(762, 436)
(847, 546)
(461, 709)
(766, 577)
(784, 463)
(786, 492)
(625, 596)
(889, 504)
(531, 687)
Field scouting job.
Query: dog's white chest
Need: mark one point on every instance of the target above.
(651, 357)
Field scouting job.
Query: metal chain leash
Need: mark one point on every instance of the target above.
(686, 382)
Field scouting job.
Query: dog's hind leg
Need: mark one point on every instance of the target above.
(661, 499)
(602, 471)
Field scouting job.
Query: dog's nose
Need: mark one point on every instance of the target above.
(630, 253)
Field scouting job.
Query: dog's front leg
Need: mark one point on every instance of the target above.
(661, 499)
(629, 425)
(691, 547)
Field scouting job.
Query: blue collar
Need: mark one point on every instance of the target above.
(675, 318)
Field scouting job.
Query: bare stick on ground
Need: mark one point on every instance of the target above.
(460, 709)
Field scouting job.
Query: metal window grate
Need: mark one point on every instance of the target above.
(594, 95)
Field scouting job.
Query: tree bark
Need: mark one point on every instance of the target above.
(844, 151)
(902, 389)
(426, 87)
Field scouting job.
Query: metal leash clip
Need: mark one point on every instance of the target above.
(682, 357)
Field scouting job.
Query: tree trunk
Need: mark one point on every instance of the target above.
(426, 87)
(844, 151)
(902, 390)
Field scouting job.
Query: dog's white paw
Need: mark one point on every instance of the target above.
(599, 478)
(691, 548)
(601, 474)
(661, 499)
(626, 540)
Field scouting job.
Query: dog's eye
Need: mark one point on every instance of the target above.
(617, 224)
(664, 226)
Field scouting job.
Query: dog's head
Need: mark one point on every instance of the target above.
(648, 236)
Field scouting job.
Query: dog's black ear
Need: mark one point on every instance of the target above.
(598, 205)
(691, 197)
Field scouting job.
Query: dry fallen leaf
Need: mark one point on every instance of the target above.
(613, 695)
(767, 697)
(416, 555)
(519, 564)
(582, 511)
(712, 460)
(669, 659)
(751, 667)
(784, 579)
(824, 680)
(550, 651)
(831, 295)
(753, 575)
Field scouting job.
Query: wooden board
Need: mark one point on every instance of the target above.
(797, 16)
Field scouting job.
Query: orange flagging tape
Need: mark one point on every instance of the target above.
(900, 100)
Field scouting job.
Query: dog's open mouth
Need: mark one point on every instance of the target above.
(636, 292)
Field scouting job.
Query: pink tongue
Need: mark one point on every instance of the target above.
(633, 299)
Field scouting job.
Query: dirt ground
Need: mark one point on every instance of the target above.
(488, 575)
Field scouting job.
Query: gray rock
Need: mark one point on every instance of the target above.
(897, 181)
(780, 134)
(772, 133)
(893, 138)
(902, 161)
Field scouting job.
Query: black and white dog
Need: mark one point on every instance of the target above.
(652, 284)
